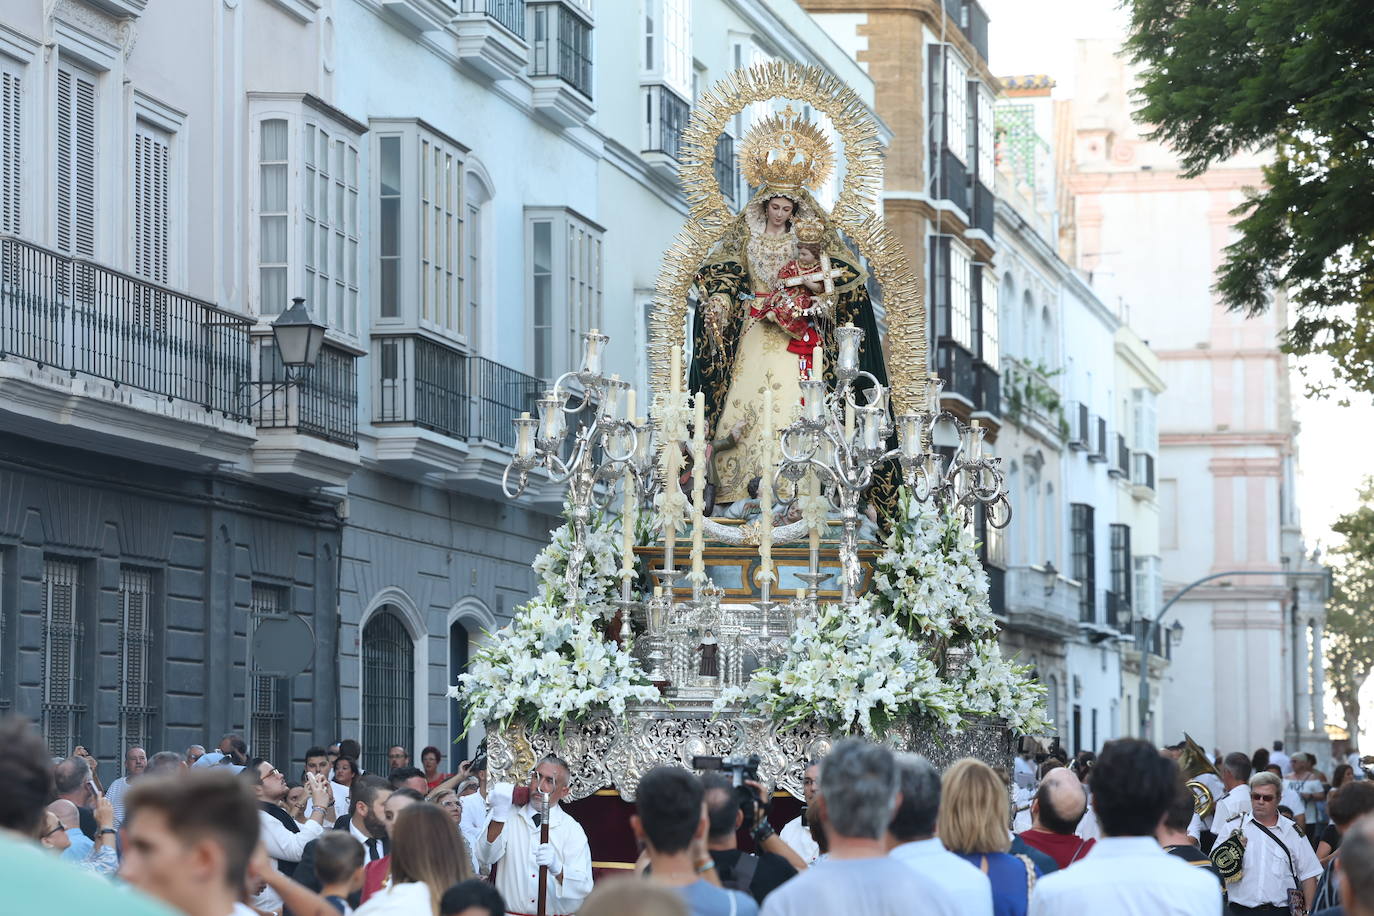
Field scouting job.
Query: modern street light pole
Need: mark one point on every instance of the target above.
(1147, 633)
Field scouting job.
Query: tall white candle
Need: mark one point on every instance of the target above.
(766, 490)
(627, 522)
(699, 489)
(630, 404)
(674, 373)
(818, 361)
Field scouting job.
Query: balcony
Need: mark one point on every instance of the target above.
(1158, 639)
(1030, 610)
(100, 359)
(1121, 459)
(955, 367)
(308, 429)
(1143, 475)
(984, 205)
(665, 118)
(1118, 612)
(1080, 432)
(951, 180)
(421, 15)
(1097, 438)
(561, 63)
(439, 410)
(989, 389)
(491, 37)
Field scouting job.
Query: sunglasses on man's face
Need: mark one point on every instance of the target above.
(1255, 796)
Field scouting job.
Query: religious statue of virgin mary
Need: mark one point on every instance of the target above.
(771, 291)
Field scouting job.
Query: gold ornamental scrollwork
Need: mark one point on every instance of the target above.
(854, 213)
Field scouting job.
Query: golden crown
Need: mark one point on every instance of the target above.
(808, 229)
(784, 153)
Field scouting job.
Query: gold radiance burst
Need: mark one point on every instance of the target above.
(854, 213)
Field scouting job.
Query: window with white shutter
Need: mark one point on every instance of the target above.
(11, 149)
(151, 217)
(330, 209)
(272, 218)
(76, 152)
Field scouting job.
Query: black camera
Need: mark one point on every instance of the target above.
(741, 769)
(479, 758)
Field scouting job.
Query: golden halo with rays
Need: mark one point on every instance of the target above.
(785, 153)
(853, 213)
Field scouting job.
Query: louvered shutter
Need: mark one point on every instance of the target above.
(75, 162)
(152, 184)
(11, 134)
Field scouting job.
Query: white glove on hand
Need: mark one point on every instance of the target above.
(545, 854)
(499, 802)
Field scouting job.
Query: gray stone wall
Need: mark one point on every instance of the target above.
(205, 539)
(431, 556)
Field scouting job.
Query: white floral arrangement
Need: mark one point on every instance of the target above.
(883, 659)
(599, 580)
(851, 667)
(994, 686)
(929, 576)
(551, 663)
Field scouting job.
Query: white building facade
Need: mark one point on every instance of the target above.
(459, 189)
(1249, 661)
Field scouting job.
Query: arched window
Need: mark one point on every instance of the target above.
(1028, 332)
(1052, 703)
(458, 654)
(388, 688)
(1014, 547)
(1010, 325)
(1047, 348)
(1034, 554)
(1048, 516)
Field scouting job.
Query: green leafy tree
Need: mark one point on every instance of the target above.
(1295, 76)
(1350, 614)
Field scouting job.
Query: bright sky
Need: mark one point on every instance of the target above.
(1039, 37)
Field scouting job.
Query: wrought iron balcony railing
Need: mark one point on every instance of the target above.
(665, 119)
(422, 382)
(989, 389)
(509, 13)
(321, 401)
(1121, 463)
(78, 316)
(1143, 473)
(561, 46)
(955, 367)
(1118, 611)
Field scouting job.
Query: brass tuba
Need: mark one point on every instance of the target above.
(1193, 762)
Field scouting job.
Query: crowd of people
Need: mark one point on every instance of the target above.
(217, 833)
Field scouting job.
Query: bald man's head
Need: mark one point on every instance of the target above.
(1059, 802)
(65, 812)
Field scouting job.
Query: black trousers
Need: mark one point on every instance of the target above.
(1268, 909)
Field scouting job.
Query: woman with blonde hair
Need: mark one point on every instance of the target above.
(975, 812)
(427, 858)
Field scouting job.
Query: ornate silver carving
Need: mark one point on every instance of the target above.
(605, 752)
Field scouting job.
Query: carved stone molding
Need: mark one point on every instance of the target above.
(606, 752)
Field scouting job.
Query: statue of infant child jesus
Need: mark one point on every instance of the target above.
(791, 305)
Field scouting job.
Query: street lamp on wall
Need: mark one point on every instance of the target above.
(1176, 632)
(298, 337)
(1051, 578)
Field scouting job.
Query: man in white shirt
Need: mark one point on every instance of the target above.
(1235, 779)
(961, 888)
(317, 762)
(857, 794)
(512, 841)
(1282, 760)
(796, 833)
(282, 837)
(135, 762)
(1355, 868)
(188, 840)
(1128, 873)
(1278, 857)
